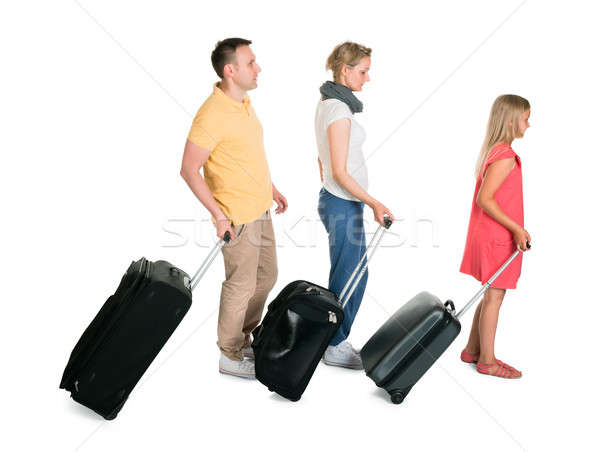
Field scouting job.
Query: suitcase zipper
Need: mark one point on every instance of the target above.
(332, 318)
(313, 291)
(110, 330)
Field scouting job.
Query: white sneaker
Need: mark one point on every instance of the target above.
(243, 368)
(342, 355)
(248, 352)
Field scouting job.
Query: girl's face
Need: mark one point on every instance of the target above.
(355, 77)
(524, 123)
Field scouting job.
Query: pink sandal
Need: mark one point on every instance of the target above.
(468, 358)
(503, 370)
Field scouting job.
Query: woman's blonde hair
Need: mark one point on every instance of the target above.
(507, 109)
(348, 53)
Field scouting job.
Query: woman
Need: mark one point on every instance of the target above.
(345, 182)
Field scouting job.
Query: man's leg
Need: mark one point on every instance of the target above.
(241, 262)
(266, 275)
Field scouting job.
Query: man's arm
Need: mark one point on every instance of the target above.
(194, 158)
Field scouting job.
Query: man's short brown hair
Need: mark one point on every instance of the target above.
(224, 53)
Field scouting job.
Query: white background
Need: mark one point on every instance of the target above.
(96, 102)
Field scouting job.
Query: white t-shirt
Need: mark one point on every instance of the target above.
(329, 111)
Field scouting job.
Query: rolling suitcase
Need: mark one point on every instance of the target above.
(128, 332)
(298, 327)
(408, 344)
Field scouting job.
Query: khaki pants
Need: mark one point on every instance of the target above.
(250, 274)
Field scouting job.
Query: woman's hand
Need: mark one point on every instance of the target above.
(282, 203)
(379, 211)
(521, 238)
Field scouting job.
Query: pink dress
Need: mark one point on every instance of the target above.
(489, 243)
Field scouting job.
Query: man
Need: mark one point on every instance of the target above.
(226, 140)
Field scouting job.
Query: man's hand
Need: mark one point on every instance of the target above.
(223, 225)
(282, 203)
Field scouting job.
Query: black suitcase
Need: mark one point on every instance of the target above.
(408, 344)
(128, 332)
(297, 329)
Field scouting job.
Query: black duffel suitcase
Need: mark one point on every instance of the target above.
(408, 344)
(128, 333)
(298, 327)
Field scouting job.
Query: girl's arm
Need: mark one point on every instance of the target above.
(338, 134)
(494, 177)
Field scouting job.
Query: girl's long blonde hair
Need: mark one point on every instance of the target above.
(507, 109)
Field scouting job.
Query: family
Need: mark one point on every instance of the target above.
(226, 142)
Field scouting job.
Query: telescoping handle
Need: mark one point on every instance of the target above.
(356, 276)
(488, 283)
(211, 257)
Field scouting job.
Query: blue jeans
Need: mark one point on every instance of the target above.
(343, 221)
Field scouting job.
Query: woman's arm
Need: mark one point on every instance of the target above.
(338, 134)
(495, 175)
(320, 168)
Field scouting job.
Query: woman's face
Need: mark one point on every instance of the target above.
(355, 77)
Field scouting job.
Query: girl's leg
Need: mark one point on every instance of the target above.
(488, 321)
(472, 347)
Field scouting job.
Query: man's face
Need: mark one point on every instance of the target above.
(245, 69)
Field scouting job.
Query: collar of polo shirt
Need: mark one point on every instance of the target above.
(219, 92)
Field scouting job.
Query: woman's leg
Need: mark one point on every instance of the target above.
(354, 248)
(344, 224)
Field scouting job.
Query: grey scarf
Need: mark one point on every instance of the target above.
(332, 90)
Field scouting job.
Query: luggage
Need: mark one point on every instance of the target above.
(128, 332)
(408, 344)
(298, 327)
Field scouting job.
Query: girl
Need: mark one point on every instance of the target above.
(496, 228)
(344, 178)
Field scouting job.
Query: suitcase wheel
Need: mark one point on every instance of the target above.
(397, 396)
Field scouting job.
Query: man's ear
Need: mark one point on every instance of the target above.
(228, 70)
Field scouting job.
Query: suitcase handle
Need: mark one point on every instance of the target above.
(211, 257)
(354, 279)
(489, 282)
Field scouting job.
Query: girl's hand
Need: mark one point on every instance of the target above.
(521, 238)
(379, 211)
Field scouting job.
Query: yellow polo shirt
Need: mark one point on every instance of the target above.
(236, 170)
